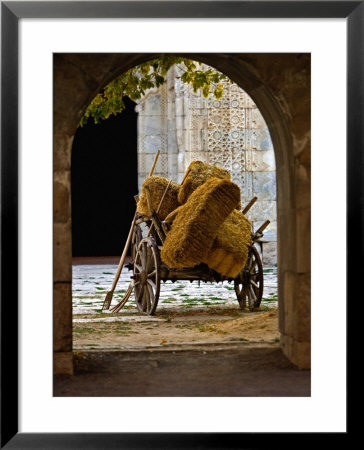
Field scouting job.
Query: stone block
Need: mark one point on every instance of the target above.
(141, 163)
(286, 231)
(63, 363)
(179, 106)
(263, 161)
(172, 167)
(247, 187)
(303, 244)
(303, 308)
(303, 186)
(62, 148)
(299, 353)
(61, 201)
(287, 302)
(180, 125)
(264, 185)
(172, 142)
(62, 252)
(260, 139)
(153, 105)
(154, 125)
(263, 210)
(171, 108)
(257, 120)
(269, 253)
(62, 317)
(153, 143)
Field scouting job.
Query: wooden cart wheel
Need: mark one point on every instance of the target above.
(249, 283)
(147, 276)
(135, 239)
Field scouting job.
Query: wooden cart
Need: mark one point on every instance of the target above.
(149, 270)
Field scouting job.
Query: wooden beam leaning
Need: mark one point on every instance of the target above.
(249, 205)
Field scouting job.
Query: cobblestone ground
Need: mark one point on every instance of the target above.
(91, 282)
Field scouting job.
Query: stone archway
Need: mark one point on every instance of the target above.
(279, 84)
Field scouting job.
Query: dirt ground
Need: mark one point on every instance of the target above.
(175, 327)
(215, 350)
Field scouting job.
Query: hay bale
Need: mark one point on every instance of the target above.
(229, 251)
(197, 173)
(197, 222)
(172, 215)
(157, 186)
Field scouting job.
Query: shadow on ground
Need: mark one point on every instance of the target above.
(249, 370)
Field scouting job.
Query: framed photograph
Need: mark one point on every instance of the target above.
(56, 56)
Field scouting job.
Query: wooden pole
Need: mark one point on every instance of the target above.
(250, 204)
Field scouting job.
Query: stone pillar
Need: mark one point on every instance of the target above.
(62, 251)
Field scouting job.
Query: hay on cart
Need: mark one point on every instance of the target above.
(197, 222)
(157, 187)
(229, 251)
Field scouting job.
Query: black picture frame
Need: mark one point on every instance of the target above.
(11, 12)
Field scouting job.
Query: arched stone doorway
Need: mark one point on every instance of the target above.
(279, 84)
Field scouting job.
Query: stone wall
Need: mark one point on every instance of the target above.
(229, 133)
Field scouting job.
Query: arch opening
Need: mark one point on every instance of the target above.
(279, 98)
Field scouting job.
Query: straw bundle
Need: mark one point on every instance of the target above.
(157, 187)
(198, 221)
(197, 173)
(229, 251)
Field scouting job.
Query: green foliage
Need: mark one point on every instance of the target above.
(135, 82)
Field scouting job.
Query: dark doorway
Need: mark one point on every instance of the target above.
(103, 184)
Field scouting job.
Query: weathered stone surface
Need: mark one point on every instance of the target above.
(269, 253)
(263, 161)
(297, 351)
(153, 143)
(62, 148)
(303, 226)
(62, 317)
(256, 120)
(287, 302)
(63, 363)
(153, 106)
(303, 308)
(153, 125)
(303, 186)
(262, 210)
(62, 252)
(247, 187)
(61, 196)
(264, 185)
(260, 139)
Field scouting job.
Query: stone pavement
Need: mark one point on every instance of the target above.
(91, 282)
(240, 370)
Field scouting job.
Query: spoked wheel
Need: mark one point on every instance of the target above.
(147, 276)
(135, 239)
(249, 283)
